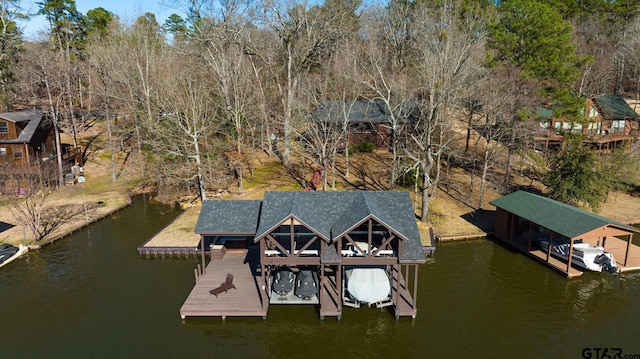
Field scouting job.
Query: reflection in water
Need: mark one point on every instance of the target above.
(476, 299)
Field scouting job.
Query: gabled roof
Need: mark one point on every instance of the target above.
(360, 111)
(561, 218)
(33, 120)
(615, 108)
(21, 116)
(331, 214)
(228, 217)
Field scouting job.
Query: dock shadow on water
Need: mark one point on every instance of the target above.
(475, 299)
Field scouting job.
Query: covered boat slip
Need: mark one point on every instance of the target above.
(251, 299)
(318, 232)
(524, 220)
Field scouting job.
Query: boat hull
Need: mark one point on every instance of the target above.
(585, 256)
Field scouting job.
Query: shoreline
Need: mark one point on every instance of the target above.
(109, 202)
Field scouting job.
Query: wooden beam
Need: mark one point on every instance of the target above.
(415, 287)
(275, 243)
(307, 244)
(292, 233)
(204, 267)
(549, 245)
(626, 253)
(370, 236)
(570, 254)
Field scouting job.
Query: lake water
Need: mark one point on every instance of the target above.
(91, 295)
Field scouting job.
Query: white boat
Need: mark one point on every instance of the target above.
(22, 249)
(367, 285)
(586, 256)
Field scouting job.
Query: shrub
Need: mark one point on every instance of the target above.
(365, 147)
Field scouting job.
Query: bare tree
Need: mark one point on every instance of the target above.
(188, 117)
(306, 36)
(449, 61)
(43, 77)
(396, 91)
(224, 50)
(29, 204)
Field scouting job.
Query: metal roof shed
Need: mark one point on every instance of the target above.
(520, 212)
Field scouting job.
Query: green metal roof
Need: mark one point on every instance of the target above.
(616, 108)
(543, 112)
(566, 220)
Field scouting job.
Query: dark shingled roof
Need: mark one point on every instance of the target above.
(556, 216)
(615, 108)
(360, 111)
(228, 217)
(331, 214)
(34, 121)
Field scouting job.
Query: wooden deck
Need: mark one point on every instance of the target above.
(521, 244)
(249, 299)
(331, 303)
(618, 248)
(613, 245)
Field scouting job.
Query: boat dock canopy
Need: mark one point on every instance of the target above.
(561, 218)
(526, 220)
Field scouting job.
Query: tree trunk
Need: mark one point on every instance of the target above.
(424, 212)
(291, 82)
(196, 147)
(114, 175)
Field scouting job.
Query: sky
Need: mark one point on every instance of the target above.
(127, 10)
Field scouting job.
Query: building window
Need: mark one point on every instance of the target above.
(617, 126)
(3, 151)
(4, 128)
(594, 128)
(17, 152)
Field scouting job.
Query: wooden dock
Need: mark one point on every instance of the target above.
(464, 237)
(615, 246)
(248, 299)
(618, 248)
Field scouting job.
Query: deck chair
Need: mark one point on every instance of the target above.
(228, 283)
(225, 286)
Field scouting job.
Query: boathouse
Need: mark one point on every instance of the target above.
(523, 219)
(326, 232)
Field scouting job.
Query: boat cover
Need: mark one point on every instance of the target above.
(368, 285)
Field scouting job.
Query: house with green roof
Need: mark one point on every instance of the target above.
(523, 218)
(609, 121)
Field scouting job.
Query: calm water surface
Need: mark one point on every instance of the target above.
(91, 296)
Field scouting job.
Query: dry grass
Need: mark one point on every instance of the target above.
(452, 212)
(182, 228)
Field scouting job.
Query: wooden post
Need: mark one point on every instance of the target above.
(530, 230)
(626, 253)
(370, 238)
(292, 249)
(339, 286)
(415, 287)
(202, 250)
(549, 245)
(321, 285)
(570, 254)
